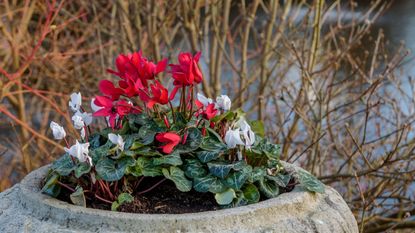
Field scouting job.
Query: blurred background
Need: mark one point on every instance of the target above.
(332, 80)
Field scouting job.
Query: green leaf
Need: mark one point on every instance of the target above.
(257, 174)
(219, 169)
(202, 184)
(281, 180)
(64, 165)
(211, 144)
(226, 197)
(100, 152)
(227, 115)
(269, 188)
(147, 134)
(240, 200)
(214, 134)
(136, 145)
(82, 168)
(94, 141)
(171, 159)
(137, 120)
(217, 187)
(207, 156)
(236, 180)
(258, 128)
(310, 182)
(130, 140)
(251, 193)
(193, 168)
(121, 199)
(112, 170)
(272, 151)
(144, 167)
(176, 175)
(193, 140)
(78, 197)
(51, 187)
(148, 151)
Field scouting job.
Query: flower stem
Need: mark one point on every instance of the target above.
(152, 187)
(172, 111)
(66, 186)
(191, 103)
(102, 199)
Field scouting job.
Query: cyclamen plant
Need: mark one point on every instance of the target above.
(200, 144)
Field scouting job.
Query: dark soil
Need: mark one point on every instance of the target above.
(164, 199)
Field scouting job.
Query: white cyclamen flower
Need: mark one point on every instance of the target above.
(117, 140)
(247, 133)
(80, 151)
(224, 102)
(233, 138)
(95, 107)
(78, 122)
(76, 101)
(57, 130)
(86, 117)
(204, 100)
(83, 133)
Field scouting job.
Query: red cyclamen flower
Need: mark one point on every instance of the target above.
(187, 72)
(210, 111)
(134, 66)
(113, 109)
(160, 95)
(170, 138)
(107, 88)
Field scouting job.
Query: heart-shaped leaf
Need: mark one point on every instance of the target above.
(112, 170)
(78, 197)
(176, 175)
(226, 197)
(193, 168)
(202, 184)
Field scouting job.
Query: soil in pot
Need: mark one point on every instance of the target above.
(164, 199)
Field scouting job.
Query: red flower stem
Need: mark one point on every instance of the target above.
(172, 111)
(138, 182)
(184, 99)
(152, 187)
(66, 186)
(102, 199)
(86, 134)
(191, 102)
(106, 185)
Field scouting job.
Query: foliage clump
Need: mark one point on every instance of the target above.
(200, 144)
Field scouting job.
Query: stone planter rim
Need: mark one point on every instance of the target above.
(31, 190)
(23, 208)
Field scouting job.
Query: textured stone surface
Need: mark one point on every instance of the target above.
(24, 209)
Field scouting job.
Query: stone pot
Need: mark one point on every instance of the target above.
(23, 208)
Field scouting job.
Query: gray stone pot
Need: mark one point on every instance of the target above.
(23, 208)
